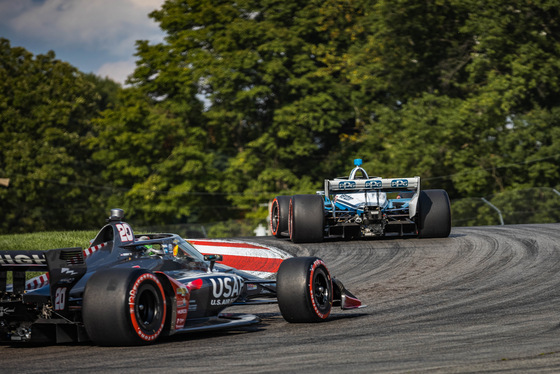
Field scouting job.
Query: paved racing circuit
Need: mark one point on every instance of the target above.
(486, 299)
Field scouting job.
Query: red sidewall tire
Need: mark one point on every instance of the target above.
(320, 277)
(124, 307)
(147, 307)
(279, 215)
(304, 290)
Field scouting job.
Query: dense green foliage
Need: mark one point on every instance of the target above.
(249, 99)
(46, 107)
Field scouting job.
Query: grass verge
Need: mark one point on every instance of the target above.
(46, 240)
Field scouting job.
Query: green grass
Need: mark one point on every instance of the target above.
(46, 240)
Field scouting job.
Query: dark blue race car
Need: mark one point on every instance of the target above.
(360, 206)
(126, 289)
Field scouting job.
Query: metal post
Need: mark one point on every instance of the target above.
(496, 209)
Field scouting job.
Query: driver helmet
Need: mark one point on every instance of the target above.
(149, 248)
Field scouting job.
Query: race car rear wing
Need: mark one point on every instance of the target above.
(388, 185)
(384, 185)
(62, 263)
(20, 262)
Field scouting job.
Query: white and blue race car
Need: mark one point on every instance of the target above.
(360, 206)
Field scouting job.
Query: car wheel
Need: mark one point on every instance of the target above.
(434, 214)
(306, 218)
(304, 289)
(279, 215)
(124, 307)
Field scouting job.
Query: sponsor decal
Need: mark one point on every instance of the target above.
(225, 290)
(343, 197)
(182, 297)
(226, 286)
(182, 294)
(60, 298)
(346, 185)
(399, 183)
(125, 232)
(193, 306)
(6, 311)
(68, 271)
(181, 317)
(66, 280)
(22, 260)
(374, 183)
(218, 302)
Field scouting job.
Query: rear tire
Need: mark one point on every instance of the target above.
(434, 214)
(279, 215)
(304, 290)
(124, 307)
(306, 218)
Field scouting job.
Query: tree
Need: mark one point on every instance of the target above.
(156, 161)
(45, 110)
(462, 95)
(245, 100)
(512, 82)
(271, 110)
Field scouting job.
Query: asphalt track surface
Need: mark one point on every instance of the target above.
(484, 300)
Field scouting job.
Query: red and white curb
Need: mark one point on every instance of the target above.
(256, 259)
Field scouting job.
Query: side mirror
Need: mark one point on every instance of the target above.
(213, 259)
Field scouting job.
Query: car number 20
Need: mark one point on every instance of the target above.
(60, 298)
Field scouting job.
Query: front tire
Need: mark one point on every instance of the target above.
(124, 307)
(434, 214)
(306, 218)
(279, 215)
(304, 290)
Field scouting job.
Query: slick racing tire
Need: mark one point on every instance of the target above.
(279, 215)
(306, 218)
(124, 307)
(304, 290)
(434, 214)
